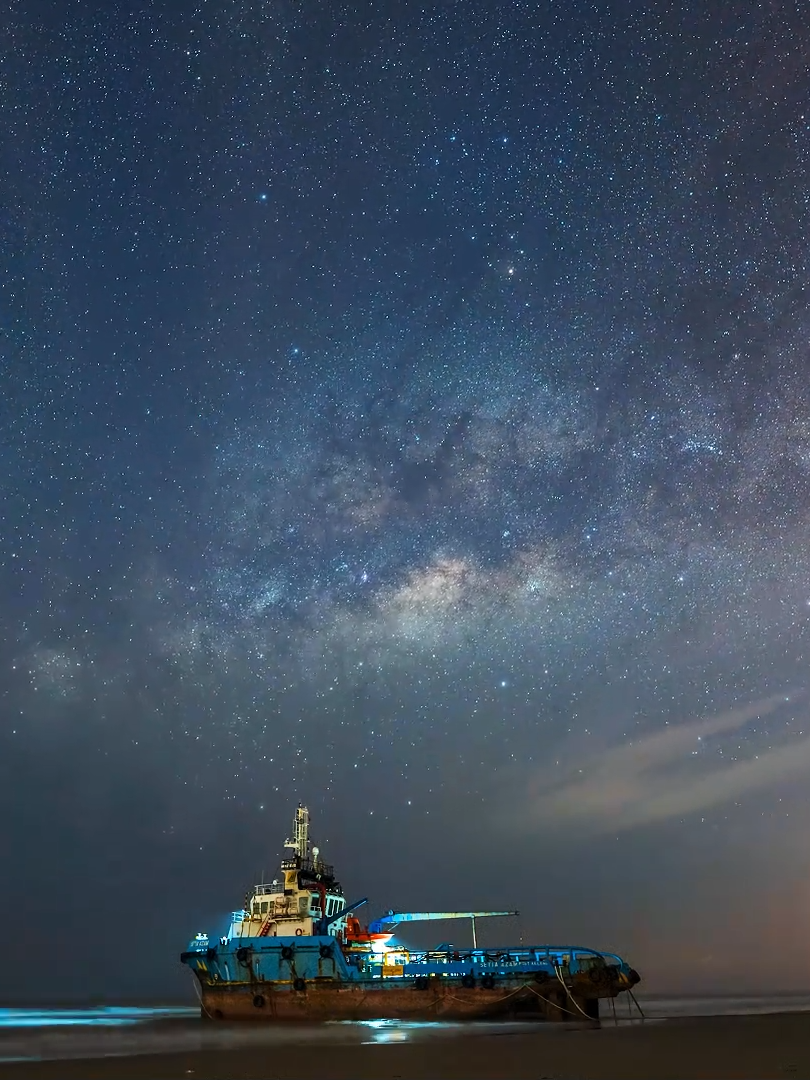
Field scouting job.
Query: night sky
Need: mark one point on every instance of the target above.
(405, 410)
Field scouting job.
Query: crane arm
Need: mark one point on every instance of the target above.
(391, 917)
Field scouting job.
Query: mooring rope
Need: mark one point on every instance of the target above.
(203, 1006)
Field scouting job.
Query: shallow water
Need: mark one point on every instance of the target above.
(58, 1034)
(742, 1005)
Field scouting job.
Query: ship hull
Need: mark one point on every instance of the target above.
(264, 1004)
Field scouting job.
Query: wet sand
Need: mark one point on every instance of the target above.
(720, 1048)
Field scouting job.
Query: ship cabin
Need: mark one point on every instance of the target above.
(274, 911)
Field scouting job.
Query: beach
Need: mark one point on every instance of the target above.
(695, 1048)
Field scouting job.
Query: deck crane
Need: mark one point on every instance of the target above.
(392, 917)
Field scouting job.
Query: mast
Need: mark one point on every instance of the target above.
(299, 842)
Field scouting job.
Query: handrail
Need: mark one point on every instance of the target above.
(540, 956)
(321, 868)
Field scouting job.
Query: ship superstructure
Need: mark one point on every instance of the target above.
(297, 950)
(307, 893)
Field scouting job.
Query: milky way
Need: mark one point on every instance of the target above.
(406, 409)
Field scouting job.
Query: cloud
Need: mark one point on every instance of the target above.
(662, 776)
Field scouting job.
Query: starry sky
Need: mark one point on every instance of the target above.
(405, 409)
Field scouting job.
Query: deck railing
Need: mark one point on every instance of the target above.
(322, 868)
(271, 889)
(572, 957)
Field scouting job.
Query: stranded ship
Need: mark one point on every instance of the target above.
(297, 951)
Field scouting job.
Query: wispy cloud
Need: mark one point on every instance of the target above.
(659, 777)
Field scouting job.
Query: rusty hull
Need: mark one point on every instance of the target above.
(263, 1002)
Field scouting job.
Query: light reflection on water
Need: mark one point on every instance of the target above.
(106, 1016)
(56, 1034)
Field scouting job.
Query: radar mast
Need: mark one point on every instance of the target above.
(300, 837)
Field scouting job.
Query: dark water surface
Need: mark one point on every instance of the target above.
(60, 1034)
